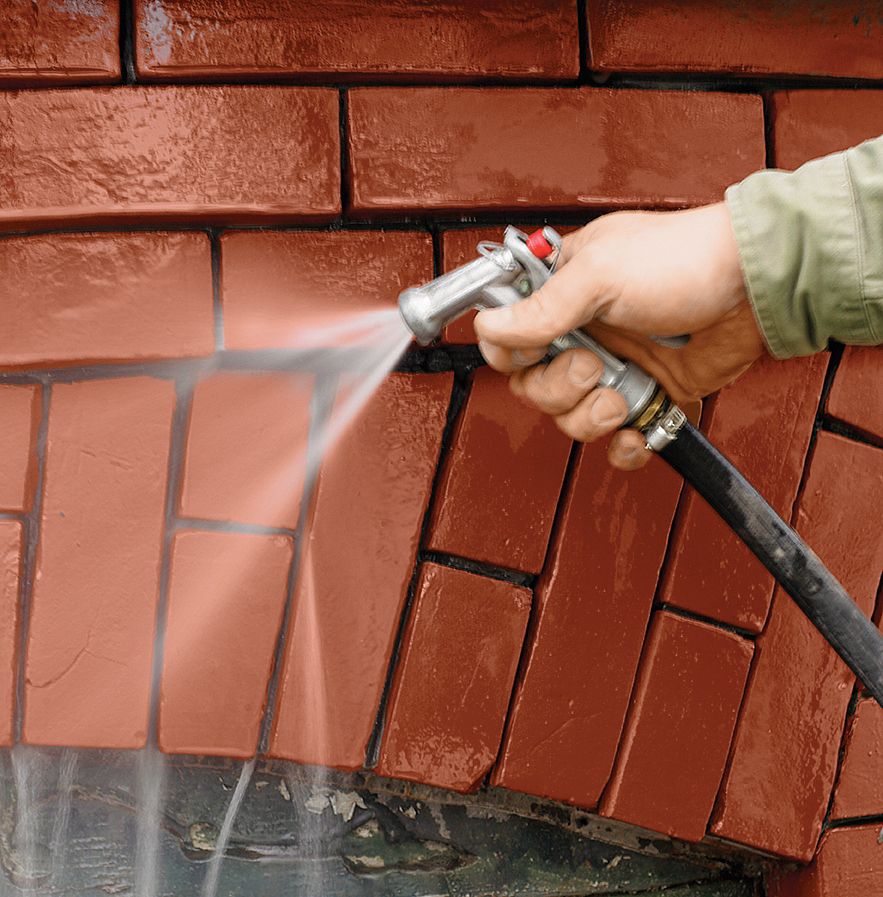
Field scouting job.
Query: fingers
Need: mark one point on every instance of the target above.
(557, 387)
(628, 450)
(508, 360)
(601, 412)
(567, 300)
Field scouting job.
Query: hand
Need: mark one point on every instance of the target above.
(624, 277)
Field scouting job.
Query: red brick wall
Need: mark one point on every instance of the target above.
(487, 605)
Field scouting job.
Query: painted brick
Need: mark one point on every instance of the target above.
(281, 290)
(95, 590)
(849, 864)
(501, 480)
(451, 691)
(594, 601)
(353, 578)
(681, 721)
(763, 422)
(829, 37)
(20, 414)
(855, 396)
(458, 247)
(860, 788)
(50, 43)
(459, 40)
(105, 297)
(812, 123)
(246, 448)
(226, 599)
(784, 756)
(10, 570)
(253, 154)
(492, 148)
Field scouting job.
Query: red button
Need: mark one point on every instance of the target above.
(539, 245)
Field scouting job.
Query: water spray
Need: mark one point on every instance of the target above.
(505, 273)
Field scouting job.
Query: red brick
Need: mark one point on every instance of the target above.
(763, 422)
(752, 37)
(460, 246)
(10, 569)
(362, 540)
(860, 789)
(849, 864)
(499, 489)
(225, 154)
(277, 287)
(226, 599)
(20, 414)
(183, 39)
(66, 42)
(812, 123)
(594, 600)
(95, 591)
(492, 148)
(680, 725)
(246, 448)
(452, 686)
(784, 757)
(105, 297)
(855, 396)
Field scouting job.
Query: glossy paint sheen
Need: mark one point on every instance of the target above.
(812, 123)
(67, 41)
(763, 423)
(681, 720)
(225, 606)
(246, 448)
(849, 864)
(784, 757)
(489, 148)
(20, 414)
(594, 602)
(253, 154)
(457, 40)
(454, 678)
(501, 480)
(856, 396)
(278, 287)
(95, 591)
(353, 578)
(10, 573)
(840, 38)
(105, 297)
(860, 786)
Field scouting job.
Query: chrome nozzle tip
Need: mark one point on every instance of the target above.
(416, 311)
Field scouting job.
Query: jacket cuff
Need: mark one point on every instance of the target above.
(798, 242)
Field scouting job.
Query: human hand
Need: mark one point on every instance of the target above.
(623, 277)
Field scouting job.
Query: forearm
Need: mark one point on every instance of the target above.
(811, 248)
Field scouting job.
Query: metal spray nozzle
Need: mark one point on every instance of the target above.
(502, 274)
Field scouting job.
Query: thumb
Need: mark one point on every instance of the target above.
(570, 298)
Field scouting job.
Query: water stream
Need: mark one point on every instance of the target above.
(47, 838)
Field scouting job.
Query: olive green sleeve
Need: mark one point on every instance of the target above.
(811, 247)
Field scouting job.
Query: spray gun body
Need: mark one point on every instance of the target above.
(505, 273)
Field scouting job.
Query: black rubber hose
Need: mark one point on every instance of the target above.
(794, 565)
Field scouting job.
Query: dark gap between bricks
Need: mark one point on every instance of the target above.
(459, 393)
(30, 544)
(180, 420)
